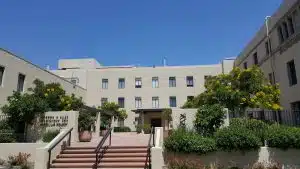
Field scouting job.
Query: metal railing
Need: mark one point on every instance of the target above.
(148, 157)
(54, 145)
(285, 117)
(100, 150)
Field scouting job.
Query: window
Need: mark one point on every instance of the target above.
(172, 81)
(190, 98)
(103, 100)
(291, 25)
(138, 82)
(173, 101)
(121, 102)
(255, 58)
(285, 30)
(292, 72)
(1, 75)
(245, 65)
(121, 83)
(138, 102)
(267, 48)
(280, 34)
(120, 122)
(296, 106)
(271, 78)
(154, 82)
(189, 81)
(104, 83)
(155, 102)
(21, 79)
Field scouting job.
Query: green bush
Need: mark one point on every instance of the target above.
(6, 133)
(185, 141)
(236, 138)
(258, 127)
(122, 129)
(145, 127)
(50, 135)
(284, 137)
(208, 119)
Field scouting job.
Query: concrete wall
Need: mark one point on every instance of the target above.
(7, 149)
(190, 117)
(288, 158)
(88, 63)
(15, 65)
(281, 53)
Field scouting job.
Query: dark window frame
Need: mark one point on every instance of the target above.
(292, 74)
(2, 72)
(121, 83)
(105, 81)
(190, 81)
(172, 81)
(255, 58)
(172, 101)
(121, 102)
(140, 80)
(245, 65)
(21, 82)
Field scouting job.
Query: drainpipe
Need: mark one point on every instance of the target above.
(267, 19)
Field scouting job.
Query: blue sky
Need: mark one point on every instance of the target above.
(122, 32)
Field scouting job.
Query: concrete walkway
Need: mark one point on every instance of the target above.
(119, 139)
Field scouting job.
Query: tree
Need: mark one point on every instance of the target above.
(55, 96)
(238, 90)
(208, 119)
(22, 109)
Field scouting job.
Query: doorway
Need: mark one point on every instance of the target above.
(156, 122)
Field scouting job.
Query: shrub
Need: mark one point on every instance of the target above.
(85, 120)
(176, 164)
(235, 138)
(146, 128)
(19, 160)
(283, 137)
(6, 133)
(189, 142)
(208, 119)
(50, 135)
(258, 127)
(122, 129)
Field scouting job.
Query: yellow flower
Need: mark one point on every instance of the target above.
(52, 89)
(48, 90)
(252, 100)
(46, 94)
(62, 99)
(276, 107)
(243, 99)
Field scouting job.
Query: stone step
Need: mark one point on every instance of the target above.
(101, 165)
(110, 155)
(103, 160)
(91, 151)
(110, 147)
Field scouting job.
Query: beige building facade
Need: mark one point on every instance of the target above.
(275, 48)
(17, 74)
(146, 90)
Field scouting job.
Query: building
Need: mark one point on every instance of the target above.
(143, 91)
(17, 74)
(275, 48)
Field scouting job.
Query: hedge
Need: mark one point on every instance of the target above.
(50, 135)
(236, 138)
(122, 129)
(284, 137)
(185, 141)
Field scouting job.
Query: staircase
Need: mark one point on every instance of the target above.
(122, 157)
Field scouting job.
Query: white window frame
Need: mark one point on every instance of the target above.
(155, 82)
(155, 102)
(138, 82)
(138, 102)
(105, 83)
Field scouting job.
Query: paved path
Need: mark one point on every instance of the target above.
(120, 139)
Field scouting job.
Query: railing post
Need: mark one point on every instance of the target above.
(110, 138)
(153, 141)
(69, 140)
(49, 159)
